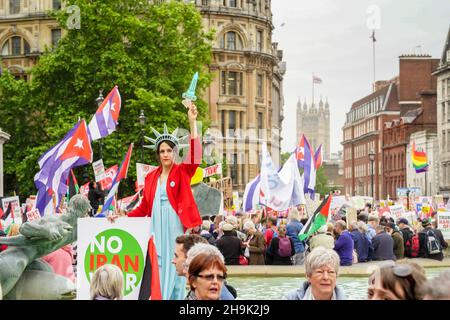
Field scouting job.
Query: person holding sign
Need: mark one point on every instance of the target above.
(168, 200)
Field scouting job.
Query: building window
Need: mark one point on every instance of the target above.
(233, 170)
(56, 36)
(231, 83)
(232, 3)
(231, 41)
(14, 6)
(232, 120)
(56, 4)
(222, 119)
(15, 46)
(260, 120)
(260, 85)
(259, 40)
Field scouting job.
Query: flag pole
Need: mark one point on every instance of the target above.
(373, 59)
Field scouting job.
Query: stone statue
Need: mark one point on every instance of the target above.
(207, 199)
(37, 239)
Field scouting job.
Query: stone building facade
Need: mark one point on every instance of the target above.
(26, 30)
(246, 94)
(314, 123)
(443, 119)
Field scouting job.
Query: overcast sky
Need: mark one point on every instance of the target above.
(331, 39)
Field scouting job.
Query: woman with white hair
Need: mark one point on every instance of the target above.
(321, 267)
(255, 244)
(107, 283)
(293, 229)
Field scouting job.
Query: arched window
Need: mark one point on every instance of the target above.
(15, 46)
(231, 41)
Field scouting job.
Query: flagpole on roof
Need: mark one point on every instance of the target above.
(373, 57)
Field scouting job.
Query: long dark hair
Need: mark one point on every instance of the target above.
(171, 145)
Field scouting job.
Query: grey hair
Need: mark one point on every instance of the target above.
(294, 214)
(321, 257)
(438, 287)
(107, 282)
(362, 227)
(202, 248)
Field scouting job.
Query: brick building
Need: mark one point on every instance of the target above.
(396, 139)
(365, 129)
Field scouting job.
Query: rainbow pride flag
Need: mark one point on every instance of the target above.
(419, 159)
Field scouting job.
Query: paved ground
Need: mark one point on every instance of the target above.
(357, 270)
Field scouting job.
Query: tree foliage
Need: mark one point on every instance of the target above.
(149, 51)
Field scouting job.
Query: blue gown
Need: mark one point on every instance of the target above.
(166, 227)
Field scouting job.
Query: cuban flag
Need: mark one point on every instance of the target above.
(252, 194)
(300, 152)
(318, 157)
(104, 122)
(121, 174)
(72, 151)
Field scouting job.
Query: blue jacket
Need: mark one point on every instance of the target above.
(298, 294)
(362, 245)
(344, 247)
(293, 228)
(383, 247)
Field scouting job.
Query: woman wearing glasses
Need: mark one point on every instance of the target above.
(206, 275)
(401, 281)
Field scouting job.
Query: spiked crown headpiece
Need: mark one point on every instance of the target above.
(166, 136)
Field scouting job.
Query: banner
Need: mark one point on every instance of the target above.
(235, 199)
(99, 170)
(141, 172)
(110, 174)
(33, 215)
(337, 202)
(210, 171)
(123, 243)
(351, 216)
(84, 189)
(443, 219)
(397, 211)
(358, 202)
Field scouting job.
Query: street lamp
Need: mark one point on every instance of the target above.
(372, 160)
(99, 102)
(142, 119)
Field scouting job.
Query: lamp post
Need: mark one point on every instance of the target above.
(99, 102)
(142, 119)
(372, 160)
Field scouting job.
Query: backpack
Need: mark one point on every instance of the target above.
(432, 244)
(284, 247)
(412, 245)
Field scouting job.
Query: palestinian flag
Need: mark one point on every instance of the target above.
(318, 219)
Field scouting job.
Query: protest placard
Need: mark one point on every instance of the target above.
(123, 243)
(99, 170)
(14, 201)
(33, 215)
(212, 170)
(351, 216)
(397, 211)
(141, 172)
(110, 174)
(443, 219)
(337, 202)
(358, 202)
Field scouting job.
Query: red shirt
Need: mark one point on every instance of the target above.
(178, 188)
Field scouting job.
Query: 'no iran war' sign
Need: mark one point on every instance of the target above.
(123, 243)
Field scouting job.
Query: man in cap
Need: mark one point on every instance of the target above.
(431, 242)
(229, 245)
(407, 233)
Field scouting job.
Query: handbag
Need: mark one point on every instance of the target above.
(243, 261)
(247, 252)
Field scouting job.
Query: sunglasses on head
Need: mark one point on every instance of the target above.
(399, 270)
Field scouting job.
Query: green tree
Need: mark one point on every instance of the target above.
(322, 182)
(149, 51)
(284, 157)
